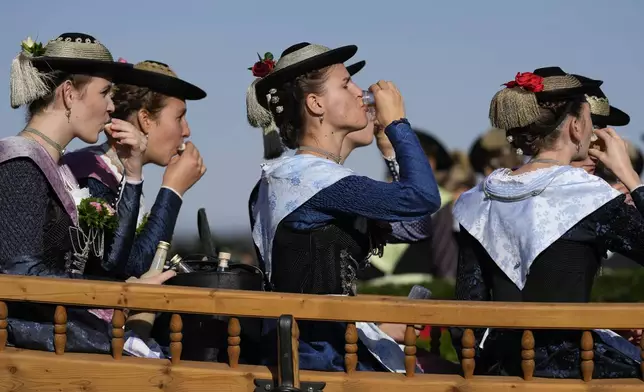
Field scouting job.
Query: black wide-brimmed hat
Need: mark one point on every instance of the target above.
(560, 86)
(74, 53)
(299, 59)
(159, 77)
(295, 61)
(433, 147)
(355, 68)
(517, 105)
(492, 144)
(602, 113)
(492, 151)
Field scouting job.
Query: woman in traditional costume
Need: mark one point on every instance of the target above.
(406, 231)
(317, 222)
(158, 111)
(603, 115)
(538, 233)
(606, 115)
(66, 87)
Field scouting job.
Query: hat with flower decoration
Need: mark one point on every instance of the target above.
(295, 61)
(74, 53)
(518, 104)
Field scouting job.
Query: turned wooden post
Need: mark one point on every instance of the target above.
(3, 325)
(642, 356)
(527, 355)
(410, 351)
(234, 330)
(118, 321)
(176, 326)
(295, 344)
(467, 363)
(60, 330)
(587, 355)
(435, 334)
(351, 348)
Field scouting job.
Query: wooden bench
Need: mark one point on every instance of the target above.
(25, 370)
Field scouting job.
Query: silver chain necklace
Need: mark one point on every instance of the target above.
(544, 160)
(47, 140)
(327, 155)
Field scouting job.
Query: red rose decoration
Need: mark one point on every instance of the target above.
(528, 81)
(264, 66)
(122, 60)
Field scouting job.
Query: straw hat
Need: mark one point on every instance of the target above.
(602, 113)
(295, 61)
(75, 53)
(518, 104)
(160, 78)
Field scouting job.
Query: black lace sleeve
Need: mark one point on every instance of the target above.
(470, 283)
(619, 226)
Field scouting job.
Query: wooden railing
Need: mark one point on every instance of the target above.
(27, 370)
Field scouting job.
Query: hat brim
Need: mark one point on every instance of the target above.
(110, 69)
(122, 73)
(616, 118)
(280, 76)
(163, 84)
(588, 86)
(564, 94)
(355, 68)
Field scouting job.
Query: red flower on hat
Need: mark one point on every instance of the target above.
(527, 81)
(122, 60)
(264, 66)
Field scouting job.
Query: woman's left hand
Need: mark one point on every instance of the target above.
(130, 145)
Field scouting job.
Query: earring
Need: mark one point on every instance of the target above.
(68, 113)
(321, 119)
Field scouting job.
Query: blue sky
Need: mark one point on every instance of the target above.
(447, 57)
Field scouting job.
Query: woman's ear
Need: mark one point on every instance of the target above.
(575, 129)
(67, 92)
(145, 121)
(314, 105)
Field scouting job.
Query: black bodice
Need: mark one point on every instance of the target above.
(321, 261)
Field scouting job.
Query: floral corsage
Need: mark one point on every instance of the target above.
(95, 217)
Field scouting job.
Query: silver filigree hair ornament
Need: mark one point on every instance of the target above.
(26, 82)
(258, 115)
